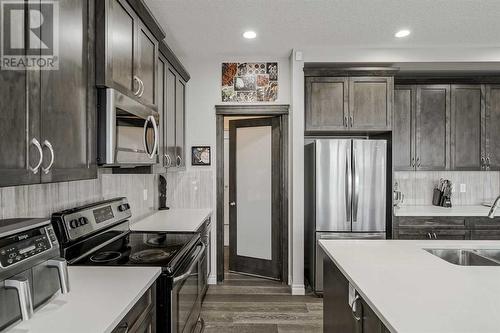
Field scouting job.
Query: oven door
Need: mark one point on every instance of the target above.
(128, 134)
(186, 293)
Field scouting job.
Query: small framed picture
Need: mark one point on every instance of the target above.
(200, 155)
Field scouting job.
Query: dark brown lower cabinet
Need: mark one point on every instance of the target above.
(339, 314)
(142, 317)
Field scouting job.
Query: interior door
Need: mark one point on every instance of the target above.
(255, 200)
(369, 169)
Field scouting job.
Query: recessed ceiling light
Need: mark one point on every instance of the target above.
(402, 33)
(249, 34)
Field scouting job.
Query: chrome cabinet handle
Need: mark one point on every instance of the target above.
(488, 162)
(429, 235)
(136, 79)
(352, 120)
(412, 162)
(169, 160)
(418, 162)
(435, 236)
(141, 84)
(47, 144)
(353, 308)
(483, 163)
(346, 122)
(22, 285)
(62, 269)
(35, 169)
(155, 129)
(179, 160)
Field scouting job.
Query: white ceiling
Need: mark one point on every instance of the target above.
(208, 28)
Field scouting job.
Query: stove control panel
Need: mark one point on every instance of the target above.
(27, 244)
(83, 221)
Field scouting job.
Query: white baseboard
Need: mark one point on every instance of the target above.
(298, 289)
(212, 279)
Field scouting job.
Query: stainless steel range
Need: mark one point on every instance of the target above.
(31, 271)
(99, 235)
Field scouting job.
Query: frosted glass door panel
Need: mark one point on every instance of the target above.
(253, 192)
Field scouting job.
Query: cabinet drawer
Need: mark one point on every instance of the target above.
(484, 223)
(431, 221)
(139, 313)
(485, 234)
(432, 233)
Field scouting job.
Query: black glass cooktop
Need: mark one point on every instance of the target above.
(143, 249)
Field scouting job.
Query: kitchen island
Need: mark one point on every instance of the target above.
(400, 287)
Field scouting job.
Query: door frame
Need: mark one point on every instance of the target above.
(272, 110)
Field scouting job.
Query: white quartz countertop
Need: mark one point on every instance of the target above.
(414, 291)
(442, 211)
(173, 220)
(99, 299)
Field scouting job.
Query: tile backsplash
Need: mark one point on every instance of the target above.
(191, 189)
(417, 187)
(43, 199)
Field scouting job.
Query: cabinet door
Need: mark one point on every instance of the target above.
(147, 55)
(326, 104)
(67, 104)
(121, 44)
(492, 126)
(467, 103)
(404, 128)
(370, 103)
(169, 118)
(161, 99)
(20, 149)
(180, 123)
(370, 322)
(433, 113)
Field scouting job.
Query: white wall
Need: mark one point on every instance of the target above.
(203, 93)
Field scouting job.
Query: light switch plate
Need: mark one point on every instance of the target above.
(463, 188)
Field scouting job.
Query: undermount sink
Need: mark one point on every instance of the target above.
(466, 257)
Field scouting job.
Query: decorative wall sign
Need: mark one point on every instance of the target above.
(200, 155)
(249, 82)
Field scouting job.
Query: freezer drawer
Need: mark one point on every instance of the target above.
(320, 255)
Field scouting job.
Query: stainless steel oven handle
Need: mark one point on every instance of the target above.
(36, 143)
(184, 276)
(155, 129)
(47, 144)
(22, 285)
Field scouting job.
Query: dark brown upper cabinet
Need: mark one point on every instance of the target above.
(360, 104)
(171, 96)
(370, 103)
(326, 104)
(405, 102)
(432, 130)
(48, 116)
(492, 128)
(127, 52)
(467, 110)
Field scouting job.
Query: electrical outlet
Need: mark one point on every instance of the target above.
(463, 188)
(145, 194)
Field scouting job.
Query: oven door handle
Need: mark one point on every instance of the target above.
(184, 276)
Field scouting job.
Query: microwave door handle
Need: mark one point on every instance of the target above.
(184, 276)
(155, 129)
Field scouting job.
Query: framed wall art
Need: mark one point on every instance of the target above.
(200, 155)
(248, 82)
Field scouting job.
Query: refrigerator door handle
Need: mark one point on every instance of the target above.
(355, 188)
(348, 187)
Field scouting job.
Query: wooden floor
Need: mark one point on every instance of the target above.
(244, 304)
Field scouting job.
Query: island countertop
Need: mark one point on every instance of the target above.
(99, 299)
(414, 291)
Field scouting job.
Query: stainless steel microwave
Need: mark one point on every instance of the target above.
(127, 130)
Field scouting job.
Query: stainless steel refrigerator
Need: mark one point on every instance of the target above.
(345, 196)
